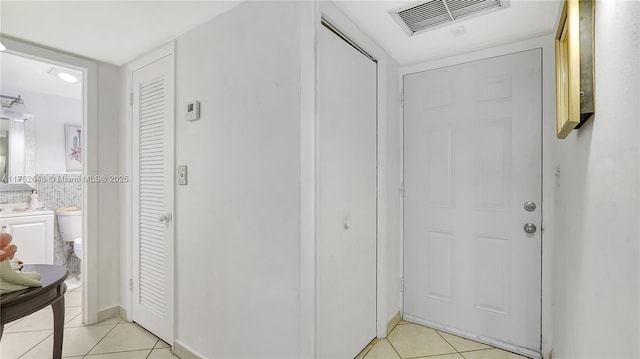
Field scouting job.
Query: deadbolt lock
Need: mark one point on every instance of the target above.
(530, 206)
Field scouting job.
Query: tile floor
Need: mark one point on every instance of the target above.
(31, 337)
(409, 340)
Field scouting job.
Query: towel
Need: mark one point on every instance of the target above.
(12, 280)
(66, 209)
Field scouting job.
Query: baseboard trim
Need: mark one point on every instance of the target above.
(108, 313)
(393, 322)
(122, 312)
(184, 352)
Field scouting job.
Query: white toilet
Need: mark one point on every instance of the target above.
(70, 225)
(77, 247)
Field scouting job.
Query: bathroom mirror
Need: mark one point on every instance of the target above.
(17, 146)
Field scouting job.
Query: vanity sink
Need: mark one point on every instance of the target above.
(32, 232)
(21, 210)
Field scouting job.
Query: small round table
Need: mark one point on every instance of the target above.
(16, 305)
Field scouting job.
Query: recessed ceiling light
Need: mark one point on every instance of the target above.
(67, 77)
(64, 75)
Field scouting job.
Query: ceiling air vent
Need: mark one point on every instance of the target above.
(435, 13)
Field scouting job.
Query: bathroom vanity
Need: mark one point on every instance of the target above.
(32, 232)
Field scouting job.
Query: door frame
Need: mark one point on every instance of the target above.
(126, 218)
(311, 15)
(89, 70)
(547, 45)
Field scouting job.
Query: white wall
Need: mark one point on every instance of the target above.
(596, 260)
(108, 201)
(238, 228)
(124, 194)
(51, 113)
(237, 221)
(394, 201)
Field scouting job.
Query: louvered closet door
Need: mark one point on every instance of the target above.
(153, 122)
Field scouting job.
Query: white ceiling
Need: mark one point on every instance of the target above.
(523, 19)
(114, 32)
(22, 74)
(117, 32)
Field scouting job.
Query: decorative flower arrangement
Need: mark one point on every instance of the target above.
(75, 152)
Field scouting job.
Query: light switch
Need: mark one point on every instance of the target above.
(182, 175)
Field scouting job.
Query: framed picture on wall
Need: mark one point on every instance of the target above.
(574, 66)
(73, 147)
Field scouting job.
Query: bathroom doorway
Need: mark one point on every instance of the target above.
(59, 106)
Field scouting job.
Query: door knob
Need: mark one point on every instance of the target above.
(530, 206)
(346, 225)
(530, 228)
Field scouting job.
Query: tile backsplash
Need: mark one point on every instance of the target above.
(66, 191)
(30, 146)
(15, 196)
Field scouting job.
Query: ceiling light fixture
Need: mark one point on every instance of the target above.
(13, 108)
(67, 77)
(64, 75)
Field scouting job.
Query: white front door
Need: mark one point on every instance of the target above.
(153, 142)
(472, 160)
(346, 198)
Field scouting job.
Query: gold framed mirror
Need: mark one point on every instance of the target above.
(574, 66)
(568, 70)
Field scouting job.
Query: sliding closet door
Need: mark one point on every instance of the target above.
(346, 198)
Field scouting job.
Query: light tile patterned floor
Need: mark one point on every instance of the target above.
(409, 340)
(31, 337)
